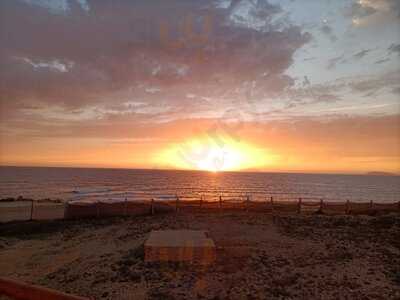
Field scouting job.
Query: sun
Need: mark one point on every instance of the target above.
(215, 158)
(208, 155)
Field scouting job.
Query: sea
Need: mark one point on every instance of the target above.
(70, 184)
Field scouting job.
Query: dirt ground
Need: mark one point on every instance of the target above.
(258, 257)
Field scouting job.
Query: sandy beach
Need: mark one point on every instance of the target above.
(258, 257)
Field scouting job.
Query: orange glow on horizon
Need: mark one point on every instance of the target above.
(207, 155)
(174, 146)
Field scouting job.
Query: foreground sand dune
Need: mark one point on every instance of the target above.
(258, 256)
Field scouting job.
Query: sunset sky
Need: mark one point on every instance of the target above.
(307, 86)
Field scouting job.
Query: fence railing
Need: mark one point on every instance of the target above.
(23, 291)
(23, 210)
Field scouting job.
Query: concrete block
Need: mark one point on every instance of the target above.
(180, 246)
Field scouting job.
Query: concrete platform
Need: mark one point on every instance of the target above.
(190, 246)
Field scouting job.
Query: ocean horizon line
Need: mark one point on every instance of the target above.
(300, 172)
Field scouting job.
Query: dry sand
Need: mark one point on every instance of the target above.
(258, 257)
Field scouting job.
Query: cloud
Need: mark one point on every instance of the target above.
(396, 90)
(381, 61)
(394, 48)
(59, 6)
(53, 65)
(341, 59)
(374, 83)
(54, 6)
(153, 90)
(334, 61)
(252, 14)
(328, 31)
(113, 56)
(372, 12)
(362, 9)
(309, 58)
(347, 95)
(361, 54)
(84, 5)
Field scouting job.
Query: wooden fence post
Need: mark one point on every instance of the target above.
(31, 210)
(247, 202)
(152, 206)
(299, 206)
(272, 205)
(126, 207)
(220, 202)
(98, 208)
(66, 210)
(347, 206)
(176, 204)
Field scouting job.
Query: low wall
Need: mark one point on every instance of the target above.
(29, 210)
(304, 207)
(15, 211)
(24, 211)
